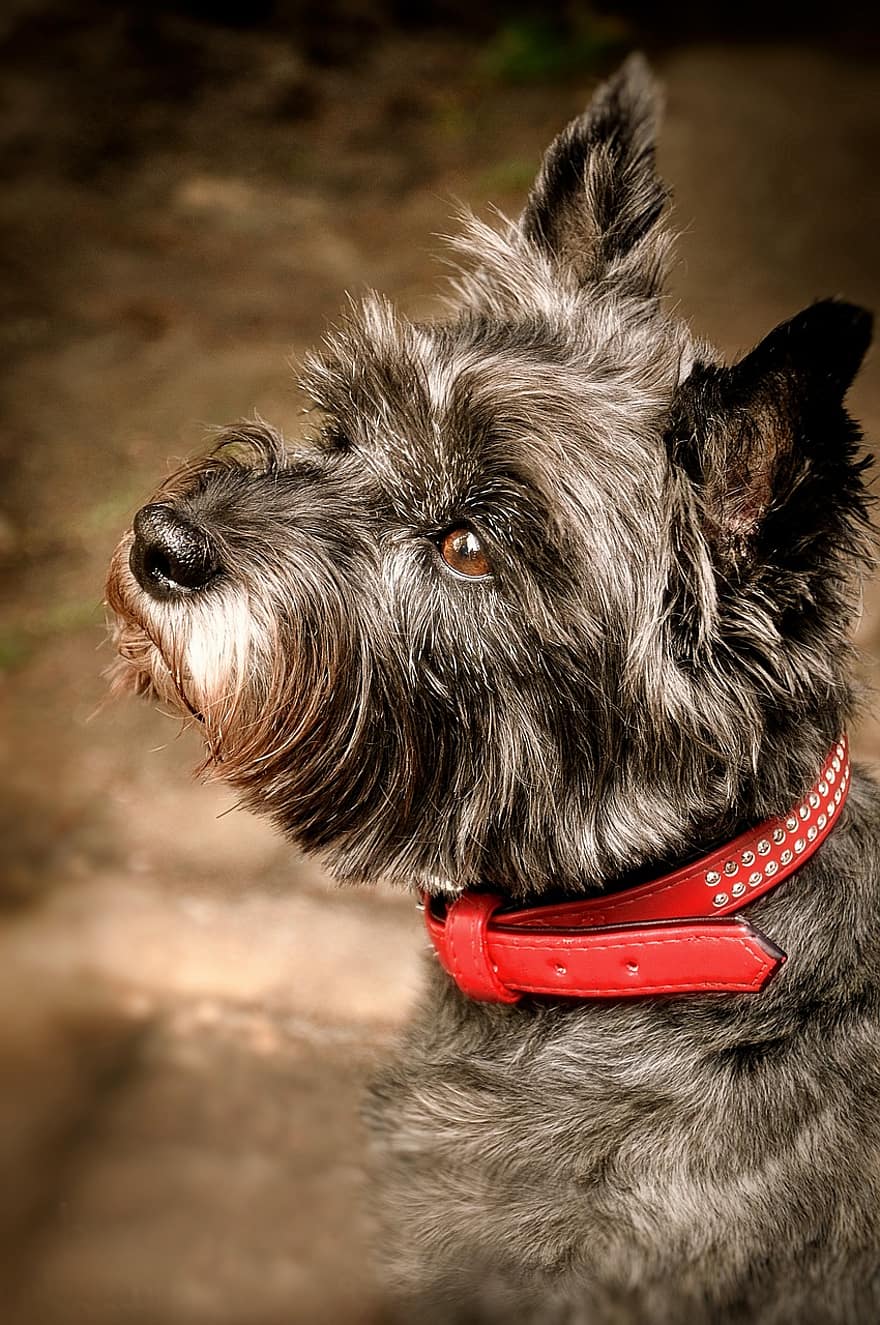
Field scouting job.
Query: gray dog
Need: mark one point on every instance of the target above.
(549, 621)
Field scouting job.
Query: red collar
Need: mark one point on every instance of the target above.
(662, 937)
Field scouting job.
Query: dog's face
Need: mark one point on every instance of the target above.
(526, 608)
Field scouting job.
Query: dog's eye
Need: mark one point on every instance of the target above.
(332, 438)
(463, 552)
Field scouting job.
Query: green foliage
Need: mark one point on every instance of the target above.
(15, 649)
(20, 640)
(511, 176)
(534, 48)
(110, 512)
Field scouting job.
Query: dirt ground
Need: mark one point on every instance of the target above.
(189, 1010)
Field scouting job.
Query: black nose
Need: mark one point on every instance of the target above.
(170, 555)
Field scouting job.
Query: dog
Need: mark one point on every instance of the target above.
(548, 621)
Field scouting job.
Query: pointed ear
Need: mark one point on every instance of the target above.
(767, 443)
(595, 204)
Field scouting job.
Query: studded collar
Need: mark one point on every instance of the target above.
(668, 936)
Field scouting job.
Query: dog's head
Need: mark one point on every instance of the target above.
(548, 581)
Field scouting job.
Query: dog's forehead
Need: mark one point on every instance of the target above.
(445, 410)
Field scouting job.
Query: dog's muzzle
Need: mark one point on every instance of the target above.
(170, 556)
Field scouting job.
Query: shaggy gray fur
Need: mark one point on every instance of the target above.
(656, 659)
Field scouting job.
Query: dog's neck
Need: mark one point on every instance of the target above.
(671, 935)
(784, 766)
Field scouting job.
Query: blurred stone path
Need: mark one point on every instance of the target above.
(191, 1011)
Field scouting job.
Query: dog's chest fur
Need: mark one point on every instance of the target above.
(702, 1159)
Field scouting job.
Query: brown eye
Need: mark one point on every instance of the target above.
(463, 552)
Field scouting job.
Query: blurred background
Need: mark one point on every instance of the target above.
(190, 1011)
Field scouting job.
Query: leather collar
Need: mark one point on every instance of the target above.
(668, 936)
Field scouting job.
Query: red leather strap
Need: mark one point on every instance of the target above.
(466, 953)
(728, 956)
(666, 936)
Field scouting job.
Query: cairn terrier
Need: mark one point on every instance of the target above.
(549, 623)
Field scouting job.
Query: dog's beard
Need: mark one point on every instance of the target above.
(197, 655)
(265, 681)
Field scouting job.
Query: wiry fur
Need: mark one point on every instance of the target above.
(658, 660)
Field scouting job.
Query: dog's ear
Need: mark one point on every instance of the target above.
(594, 207)
(767, 443)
